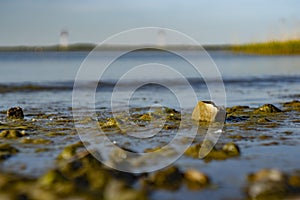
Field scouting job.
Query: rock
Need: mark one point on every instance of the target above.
(28, 140)
(193, 150)
(15, 113)
(145, 117)
(195, 179)
(267, 108)
(69, 151)
(169, 178)
(118, 190)
(294, 180)
(54, 180)
(231, 149)
(108, 124)
(207, 111)
(12, 134)
(267, 175)
(292, 105)
(6, 151)
(268, 184)
(236, 109)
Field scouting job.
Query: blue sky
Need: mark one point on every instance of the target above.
(32, 22)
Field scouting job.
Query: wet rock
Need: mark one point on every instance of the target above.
(267, 175)
(268, 184)
(235, 119)
(14, 186)
(109, 123)
(15, 113)
(12, 134)
(267, 108)
(236, 109)
(207, 111)
(69, 151)
(36, 141)
(195, 179)
(193, 150)
(6, 151)
(56, 181)
(118, 190)
(294, 180)
(263, 120)
(169, 178)
(145, 117)
(229, 150)
(292, 105)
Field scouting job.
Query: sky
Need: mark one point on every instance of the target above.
(40, 22)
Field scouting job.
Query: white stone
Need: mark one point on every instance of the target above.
(207, 111)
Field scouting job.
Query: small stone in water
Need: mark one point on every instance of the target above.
(267, 184)
(169, 178)
(15, 113)
(231, 149)
(195, 179)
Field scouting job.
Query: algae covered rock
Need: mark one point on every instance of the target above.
(292, 105)
(56, 181)
(229, 150)
(267, 108)
(236, 109)
(169, 178)
(15, 113)
(69, 151)
(28, 140)
(207, 111)
(268, 184)
(118, 190)
(12, 134)
(6, 150)
(195, 179)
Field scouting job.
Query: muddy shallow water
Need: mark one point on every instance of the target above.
(42, 83)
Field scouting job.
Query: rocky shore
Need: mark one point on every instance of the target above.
(76, 174)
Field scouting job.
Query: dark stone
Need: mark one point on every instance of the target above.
(15, 113)
(267, 108)
(169, 178)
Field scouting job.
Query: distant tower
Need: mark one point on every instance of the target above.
(161, 37)
(64, 38)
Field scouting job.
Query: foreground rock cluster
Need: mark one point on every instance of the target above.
(80, 176)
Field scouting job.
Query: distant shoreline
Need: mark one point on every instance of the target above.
(90, 47)
(291, 47)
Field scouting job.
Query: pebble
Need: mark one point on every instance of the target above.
(196, 177)
(268, 183)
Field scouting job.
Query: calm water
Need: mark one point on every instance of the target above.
(43, 82)
(249, 80)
